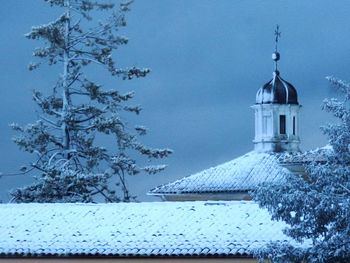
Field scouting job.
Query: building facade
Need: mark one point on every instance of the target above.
(276, 146)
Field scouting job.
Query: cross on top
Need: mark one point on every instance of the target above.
(277, 34)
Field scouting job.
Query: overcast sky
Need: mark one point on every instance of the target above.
(208, 59)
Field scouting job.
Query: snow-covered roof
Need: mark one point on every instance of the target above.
(229, 228)
(241, 174)
(319, 155)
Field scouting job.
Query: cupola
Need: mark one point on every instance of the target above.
(277, 91)
(276, 113)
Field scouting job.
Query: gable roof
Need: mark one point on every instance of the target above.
(241, 174)
(198, 228)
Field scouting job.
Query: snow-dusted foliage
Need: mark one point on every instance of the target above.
(70, 165)
(316, 206)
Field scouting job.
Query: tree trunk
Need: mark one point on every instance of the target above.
(65, 93)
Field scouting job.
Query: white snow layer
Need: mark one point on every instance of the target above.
(241, 174)
(225, 228)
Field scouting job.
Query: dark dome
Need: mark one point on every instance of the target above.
(277, 91)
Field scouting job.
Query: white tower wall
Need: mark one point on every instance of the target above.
(276, 127)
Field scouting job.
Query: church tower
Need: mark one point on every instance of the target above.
(276, 113)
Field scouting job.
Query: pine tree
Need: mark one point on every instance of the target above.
(70, 166)
(316, 206)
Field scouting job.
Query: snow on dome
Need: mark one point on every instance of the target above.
(241, 174)
(277, 91)
(137, 229)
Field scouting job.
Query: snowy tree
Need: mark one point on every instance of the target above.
(70, 166)
(316, 206)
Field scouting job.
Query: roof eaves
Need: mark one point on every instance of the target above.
(238, 254)
(199, 192)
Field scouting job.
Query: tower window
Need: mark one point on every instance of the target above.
(282, 124)
(293, 125)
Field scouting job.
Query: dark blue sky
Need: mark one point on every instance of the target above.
(208, 59)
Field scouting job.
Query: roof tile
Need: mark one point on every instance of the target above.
(241, 174)
(136, 229)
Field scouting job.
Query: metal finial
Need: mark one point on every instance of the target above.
(276, 55)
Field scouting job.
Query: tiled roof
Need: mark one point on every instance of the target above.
(199, 228)
(319, 155)
(241, 174)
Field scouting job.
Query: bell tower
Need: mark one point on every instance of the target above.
(276, 113)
